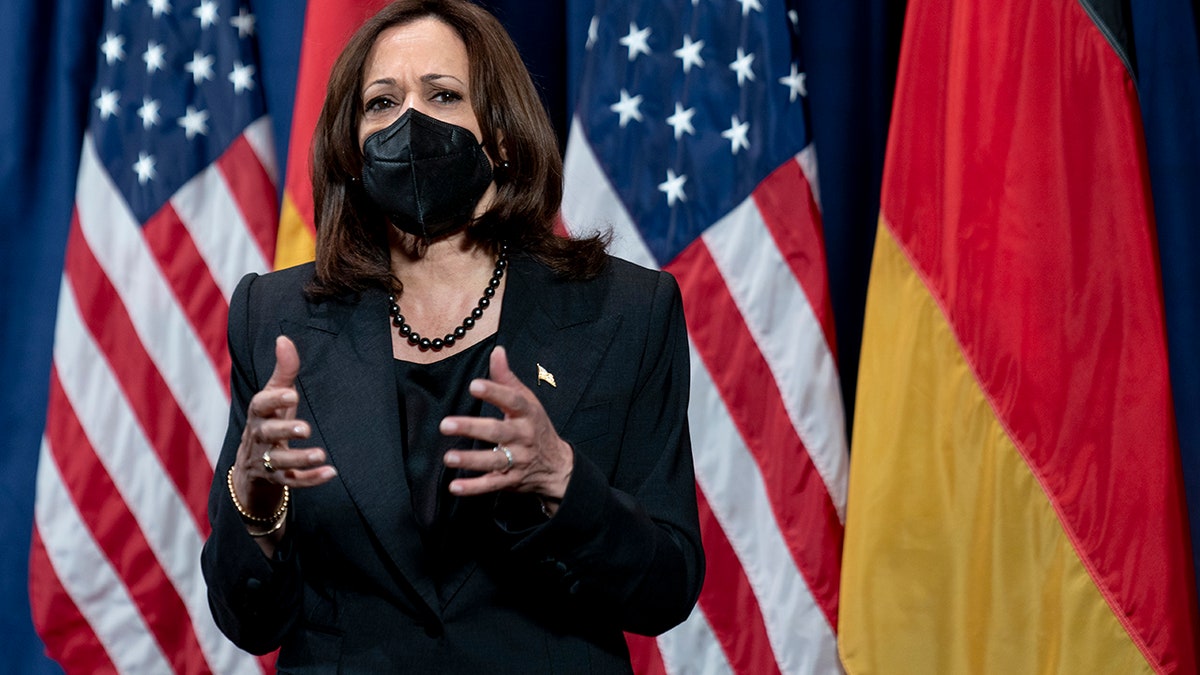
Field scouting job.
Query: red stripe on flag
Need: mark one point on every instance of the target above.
(68, 636)
(785, 201)
(192, 284)
(801, 503)
(267, 661)
(116, 532)
(644, 655)
(729, 602)
(560, 226)
(166, 428)
(252, 191)
(328, 25)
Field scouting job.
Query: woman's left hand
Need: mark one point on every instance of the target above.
(541, 462)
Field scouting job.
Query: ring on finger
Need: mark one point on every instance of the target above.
(266, 460)
(507, 455)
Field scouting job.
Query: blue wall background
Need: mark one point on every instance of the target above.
(47, 58)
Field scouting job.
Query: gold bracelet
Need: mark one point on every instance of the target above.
(274, 528)
(276, 518)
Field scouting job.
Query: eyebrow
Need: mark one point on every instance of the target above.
(424, 78)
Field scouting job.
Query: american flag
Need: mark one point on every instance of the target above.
(691, 142)
(175, 201)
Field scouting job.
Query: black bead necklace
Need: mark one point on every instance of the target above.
(437, 344)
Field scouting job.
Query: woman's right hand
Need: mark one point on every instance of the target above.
(265, 463)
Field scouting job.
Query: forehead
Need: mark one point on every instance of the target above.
(421, 47)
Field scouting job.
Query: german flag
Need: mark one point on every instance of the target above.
(328, 25)
(1016, 503)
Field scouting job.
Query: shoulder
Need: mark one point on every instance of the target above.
(637, 292)
(618, 277)
(633, 274)
(261, 297)
(642, 297)
(281, 283)
(280, 288)
(631, 278)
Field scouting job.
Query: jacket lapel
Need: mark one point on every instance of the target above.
(558, 326)
(346, 353)
(345, 350)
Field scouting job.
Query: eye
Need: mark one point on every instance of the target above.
(378, 103)
(446, 96)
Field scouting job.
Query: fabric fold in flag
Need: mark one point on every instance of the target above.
(1016, 500)
(691, 144)
(174, 202)
(328, 25)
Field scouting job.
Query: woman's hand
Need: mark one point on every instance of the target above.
(265, 463)
(541, 461)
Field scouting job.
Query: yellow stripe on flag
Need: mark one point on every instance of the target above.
(295, 244)
(955, 561)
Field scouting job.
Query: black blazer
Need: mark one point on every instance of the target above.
(351, 588)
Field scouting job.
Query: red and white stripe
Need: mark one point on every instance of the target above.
(768, 429)
(138, 405)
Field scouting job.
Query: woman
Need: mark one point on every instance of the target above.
(509, 496)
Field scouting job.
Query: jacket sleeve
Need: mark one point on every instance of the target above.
(631, 547)
(255, 600)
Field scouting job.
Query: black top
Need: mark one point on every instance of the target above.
(428, 392)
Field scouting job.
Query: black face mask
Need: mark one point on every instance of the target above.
(426, 175)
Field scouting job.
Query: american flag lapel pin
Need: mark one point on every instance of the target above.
(545, 376)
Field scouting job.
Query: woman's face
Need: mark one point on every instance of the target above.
(422, 65)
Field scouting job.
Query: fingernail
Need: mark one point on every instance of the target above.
(289, 397)
(330, 472)
(299, 429)
(456, 488)
(451, 459)
(476, 387)
(448, 426)
(314, 457)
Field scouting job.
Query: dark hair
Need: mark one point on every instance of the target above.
(352, 242)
